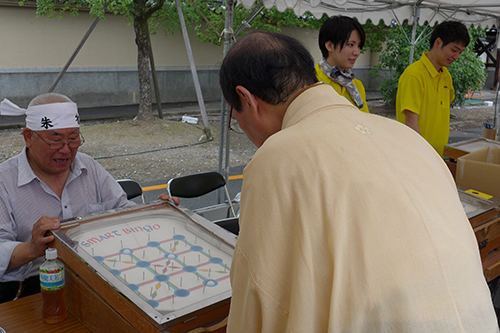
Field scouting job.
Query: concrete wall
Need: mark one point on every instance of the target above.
(103, 86)
(105, 71)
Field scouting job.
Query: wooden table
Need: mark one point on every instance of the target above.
(484, 216)
(25, 315)
(486, 225)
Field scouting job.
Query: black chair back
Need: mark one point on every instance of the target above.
(131, 188)
(195, 185)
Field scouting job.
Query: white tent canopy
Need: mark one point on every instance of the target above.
(485, 13)
(471, 12)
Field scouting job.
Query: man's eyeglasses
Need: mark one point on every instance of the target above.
(56, 145)
(233, 124)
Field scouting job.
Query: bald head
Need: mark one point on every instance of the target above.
(271, 66)
(49, 98)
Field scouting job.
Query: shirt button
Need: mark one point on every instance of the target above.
(66, 207)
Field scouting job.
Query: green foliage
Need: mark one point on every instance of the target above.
(375, 35)
(468, 72)
(395, 58)
(198, 12)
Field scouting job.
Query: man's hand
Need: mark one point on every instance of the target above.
(165, 197)
(34, 248)
(39, 239)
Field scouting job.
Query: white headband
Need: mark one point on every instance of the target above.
(46, 116)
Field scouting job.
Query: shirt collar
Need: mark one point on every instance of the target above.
(26, 174)
(428, 64)
(312, 99)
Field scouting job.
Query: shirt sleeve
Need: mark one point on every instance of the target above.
(8, 235)
(362, 92)
(452, 92)
(260, 297)
(111, 193)
(410, 93)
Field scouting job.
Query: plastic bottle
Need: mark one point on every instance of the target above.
(52, 286)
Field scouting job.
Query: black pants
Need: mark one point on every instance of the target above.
(9, 290)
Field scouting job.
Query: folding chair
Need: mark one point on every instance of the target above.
(230, 224)
(131, 188)
(198, 184)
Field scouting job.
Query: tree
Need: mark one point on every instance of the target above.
(207, 18)
(198, 12)
(137, 11)
(141, 12)
(468, 72)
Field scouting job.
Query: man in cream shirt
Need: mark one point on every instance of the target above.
(342, 228)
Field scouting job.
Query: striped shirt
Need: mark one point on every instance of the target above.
(24, 199)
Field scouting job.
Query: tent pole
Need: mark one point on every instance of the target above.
(224, 114)
(73, 56)
(155, 80)
(199, 94)
(250, 17)
(416, 18)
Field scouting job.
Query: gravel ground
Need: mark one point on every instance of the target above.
(159, 150)
(168, 148)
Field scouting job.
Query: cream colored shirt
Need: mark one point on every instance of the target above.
(345, 229)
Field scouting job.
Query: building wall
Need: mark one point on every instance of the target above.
(105, 70)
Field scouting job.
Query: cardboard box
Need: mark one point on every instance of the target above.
(480, 170)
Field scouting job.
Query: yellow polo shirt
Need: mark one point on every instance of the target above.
(428, 93)
(342, 90)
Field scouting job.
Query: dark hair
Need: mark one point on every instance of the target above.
(337, 29)
(270, 65)
(450, 31)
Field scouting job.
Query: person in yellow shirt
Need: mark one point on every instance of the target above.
(341, 40)
(425, 89)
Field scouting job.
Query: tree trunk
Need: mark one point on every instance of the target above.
(143, 46)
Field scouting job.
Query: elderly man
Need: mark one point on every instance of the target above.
(47, 182)
(329, 243)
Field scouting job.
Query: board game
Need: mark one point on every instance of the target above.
(164, 260)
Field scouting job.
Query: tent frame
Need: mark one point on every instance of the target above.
(440, 12)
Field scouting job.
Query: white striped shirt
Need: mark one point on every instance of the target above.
(24, 199)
